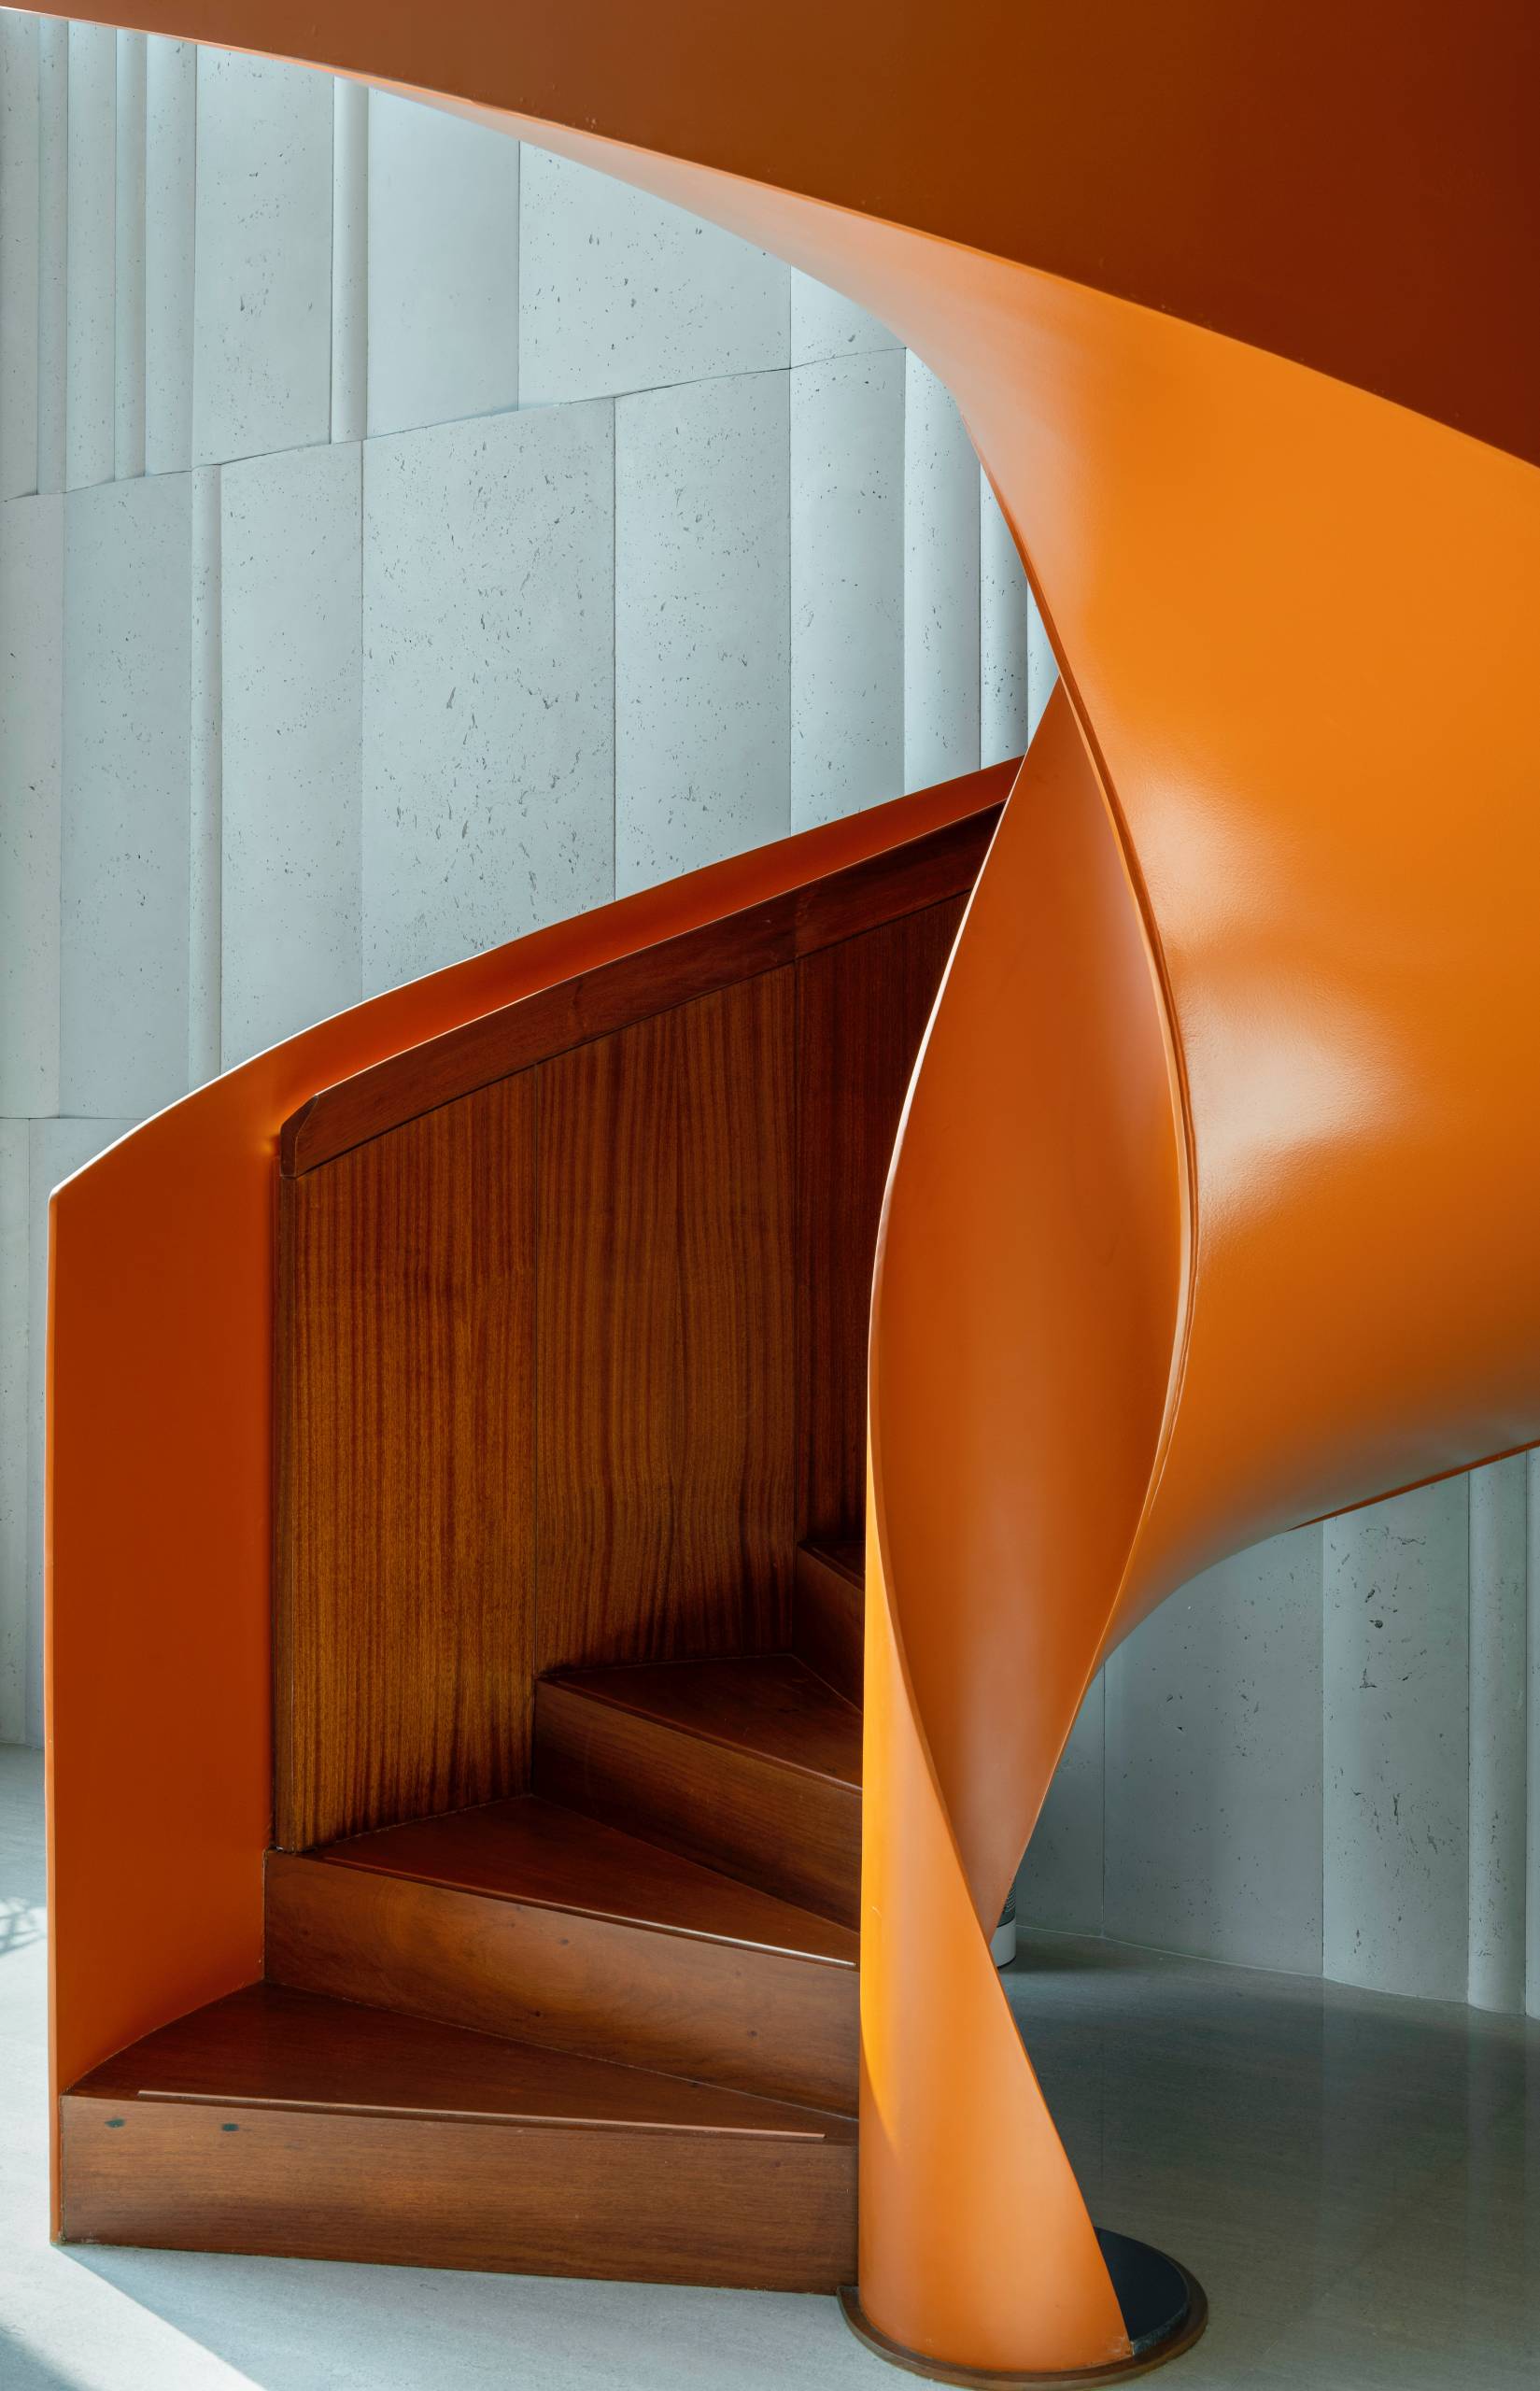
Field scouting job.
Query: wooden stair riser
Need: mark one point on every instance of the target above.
(660, 2207)
(796, 1834)
(776, 2023)
(828, 1622)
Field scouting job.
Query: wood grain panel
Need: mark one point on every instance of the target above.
(861, 1011)
(610, 996)
(413, 2191)
(406, 1537)
(666, 1345)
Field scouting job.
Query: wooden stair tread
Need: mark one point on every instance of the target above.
(538, 1852)
(772, 1707)
(269, 2048)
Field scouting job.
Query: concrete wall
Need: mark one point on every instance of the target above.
(1324, 1756)
(405, 538)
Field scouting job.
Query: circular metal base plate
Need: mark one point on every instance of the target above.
(1164, 2312)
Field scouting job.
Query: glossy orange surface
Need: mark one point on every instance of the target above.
(1214, 1205)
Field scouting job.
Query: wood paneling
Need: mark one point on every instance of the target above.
(665, 1375)
(597, 1003)
(287, 2125)
(405, 1534)
(570, 1366)
(861, 1011)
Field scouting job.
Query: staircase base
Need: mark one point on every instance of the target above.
(1164, 2309)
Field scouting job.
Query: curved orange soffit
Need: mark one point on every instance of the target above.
(1214, 1206)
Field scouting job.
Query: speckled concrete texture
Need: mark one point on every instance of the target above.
(1397, 1806)
(942, 561)
(1060, 1882)
(489, 684)
(1213, 1765)
(290, 679)
(90, 254)
(618, 291)
(443, 266)
(20, 128)
(701, 626)
(847, 586)
(262, 297)
(824, 324)
(32, 653)
(171, 119)
(1499, 1640)
(124, 863)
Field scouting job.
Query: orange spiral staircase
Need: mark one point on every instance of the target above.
(1212, 1205)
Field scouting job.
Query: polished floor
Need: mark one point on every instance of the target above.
(1354, 2179)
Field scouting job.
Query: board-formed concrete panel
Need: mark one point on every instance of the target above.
(1397, 1730)
(263, 281)
(1214, 1767)
(1005, 627)
(171, 118)
(489, 684)
(32, 643)
(124, 957)
(1060, 1882)
(942, 562)
(443, 266)
(1499, 1639)
(701, 632)
(618, 291)
(824, 324)
(20, 128)
(90, 256)
(847, 586)
(291, 566)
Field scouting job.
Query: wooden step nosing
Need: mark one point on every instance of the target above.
(825, 1559)
(598, 1916)
(533, 2120)
(703, 1734)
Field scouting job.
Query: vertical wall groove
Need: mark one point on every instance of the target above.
(129, 239)
(349, 262)
(1498, 1665)
(1532, 1674)
(170, 199)
(19, 226)
(91, 258)
(52, 233)
(207, 757)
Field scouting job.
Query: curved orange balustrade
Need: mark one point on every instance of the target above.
(159, 1497)
(1213, 1207)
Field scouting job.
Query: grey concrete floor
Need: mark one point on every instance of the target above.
(1354, 2179)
